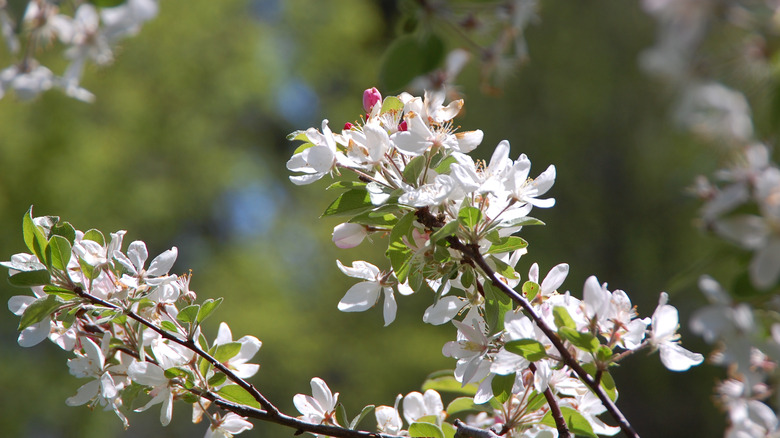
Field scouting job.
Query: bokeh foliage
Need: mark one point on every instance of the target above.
(186, 146)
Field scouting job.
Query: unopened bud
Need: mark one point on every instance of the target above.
(349, 235)
(371, 97)
(348, 126)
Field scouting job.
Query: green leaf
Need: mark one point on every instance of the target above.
(58, 251)
(530, 289)
(88, 270)
(444, 166)
(414, 169)
(521, 222)
(297, 136)
(428, 430)
(375, 219)
(188, 314)
(34, 237)
(169, 326)
(507, 244)
(106, 3)
(604, 353)
(606, 382)
(61, 292)
(469, 216)
(502, 387)
(562, 318)
(341, 415)
(391, 103)
(449, 430)
(65, 230)
(351, 202)
(347, 185)
(447, 230)
(407, 57)
(462, 404)
(355, 421)
(207, 307)
(174, 372)
(444, 381)
(39, 309)
(504, 269)
(237, 394)
(95, 236)
(225, 352)
(30, 278)
(397, 250)
(497, 303)
(530, 349)
(217, 379)
(583, 341)
(576, 422)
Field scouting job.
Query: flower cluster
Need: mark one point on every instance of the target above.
(451, 225)
(133, 328)
(88, 33)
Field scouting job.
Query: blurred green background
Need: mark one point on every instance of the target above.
(186, 146)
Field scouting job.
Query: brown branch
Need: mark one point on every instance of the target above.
(466, 431)
(471, 252)
(555, 410)
(189, 344)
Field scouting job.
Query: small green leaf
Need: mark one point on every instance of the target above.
(375, 219)
(414, 169)
(61, 292)
(397, 250)
(88, 270)
(444, 166)
(584, 341)
(462, 404)
(427, 430)
(341, 415)
(576, 422)
(297, 136)
(227, 351)
(106, 3)
(502, 387)
(604, 353)
(447, 230)
(507, 244)
(504, 269)
(562, 318)
(30, 278)
(95, 236)
(34, 237)
(469, 216)
(169, 326)
(65, 230)
(355, 421)
(606, 382)
(347, 185)
(467, 276)
(497, 303)
(449, 430)
(531, 349)
(521, 222)
(444, 381)
(39, 309)
(174, 372)
(351, 202)
(391, 103)
(188, 314)
(217, 379)
(58, 251)
(237, 394)
(207, 307)
(530, 289)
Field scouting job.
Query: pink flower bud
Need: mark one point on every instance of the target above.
(370, 98)
(348, 126)
(403, 126)
(349, 235)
